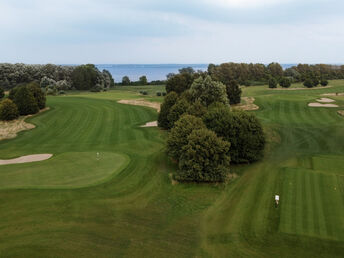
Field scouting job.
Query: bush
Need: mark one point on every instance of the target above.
(144, 93)
(37, 93)
(2, 93)
(324, 82)
(205, 158)
(158, 94)
(272, 83)
(164, 94)
(285, 82)
(8, 110)
(168, 103)
(308, 83)
(177, 138)
(25, 101)
(61, 92)
(241, 129)
(315, 82)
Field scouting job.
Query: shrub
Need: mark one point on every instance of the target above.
(177, 138)
(144, 93)
(272, 83)
(324, 82)
(158, 93)
(233, 92)
(37, 93)
(2, 93)
(61, 92)
(168, 103)
(164, 94)
(308, 83)
(125, 80)
(315, 82)
(205, 158)
(8, 110)
(241, 129)
(25, 101)
(285, 82)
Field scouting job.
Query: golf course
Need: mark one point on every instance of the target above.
(107, 189)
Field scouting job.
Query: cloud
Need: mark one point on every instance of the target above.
(246, 3)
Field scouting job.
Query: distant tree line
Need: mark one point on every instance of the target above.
(205, 136)
(141, 82)
(54, 78)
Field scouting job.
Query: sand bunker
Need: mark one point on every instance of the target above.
(247, 105)
(341, 112)
(10, 129)
(321, 105)
(26, 159)
(326, 100)
(141, 102)
(151, 124)
(334, 94)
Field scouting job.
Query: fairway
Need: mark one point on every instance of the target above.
(124, 204)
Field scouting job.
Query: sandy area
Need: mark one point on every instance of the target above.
(341, 112)
(305, 88)
(334, 94)
(26, 159)
(321, 105)
(247, 105)
(151, 124)
(141, 102)
(326, 100)
(9, 130)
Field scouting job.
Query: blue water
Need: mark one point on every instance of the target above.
(152, 71)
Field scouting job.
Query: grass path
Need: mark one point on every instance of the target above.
(135, 211)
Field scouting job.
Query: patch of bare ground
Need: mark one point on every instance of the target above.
(314, 88)
(141, 102)
(173, 182)
(322, 105)
(334, 94)
(151, 124)
(247, 104)
(26, 159)
(326, 100)
(10, 129)
(341, 112)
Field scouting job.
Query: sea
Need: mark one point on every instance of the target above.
(153, 72)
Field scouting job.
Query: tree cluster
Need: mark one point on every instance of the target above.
(205, 135)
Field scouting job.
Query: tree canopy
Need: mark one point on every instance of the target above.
(8, 110)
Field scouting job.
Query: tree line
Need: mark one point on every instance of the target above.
(205, 135)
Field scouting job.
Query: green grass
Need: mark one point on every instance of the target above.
(135, 211)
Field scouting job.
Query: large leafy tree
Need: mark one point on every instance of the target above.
(207, 91)
(178, 137)
(285, 82)
(272, 83)
(126, 81)
(8, 110)
(205, 158)
(169, 101)
(179, 82)
(275, 70)
(37, 93)
(233, 92)
(25, 101)
(178, 109)
(143, 80)
(85, 77)
(241, 129)
(2, 93)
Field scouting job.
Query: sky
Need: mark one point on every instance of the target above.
(169, 32)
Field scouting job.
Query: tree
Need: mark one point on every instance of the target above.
(197, 109)
(208, 91)
(179, 108)
(308, 83)
(324, 82)
(109, 82)
(85, 77)
(205, 158)
(178, 137)
(179, 83)
(315, 82)
(241, 129)
(233, 92)
(275, 70)
(285, 82)
(125, 81)
(143, 80)
(25, 101)
(8, 110)
(37, 93)
(169, 101)
(272, 83)
(63, 85)
(188, 70)
(2, 93)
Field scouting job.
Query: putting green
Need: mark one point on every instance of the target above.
(67, 170)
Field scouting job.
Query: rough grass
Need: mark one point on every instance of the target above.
(139, 213)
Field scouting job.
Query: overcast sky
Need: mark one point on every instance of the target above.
(165, 31)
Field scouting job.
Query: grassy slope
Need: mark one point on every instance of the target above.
(139, 213)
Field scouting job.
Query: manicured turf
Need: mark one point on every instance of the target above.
(137, 212)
